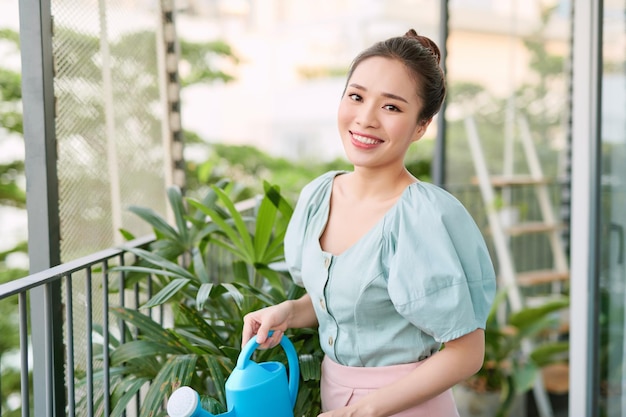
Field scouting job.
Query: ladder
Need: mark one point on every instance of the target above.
(502, 233)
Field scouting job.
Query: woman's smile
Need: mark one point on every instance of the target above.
(365, 141)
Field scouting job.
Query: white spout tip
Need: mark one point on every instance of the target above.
(183, 402)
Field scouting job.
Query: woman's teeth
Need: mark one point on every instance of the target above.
(365, 140)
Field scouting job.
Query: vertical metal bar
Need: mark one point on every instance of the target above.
(42, 200)
(122, 301)
(136, 333)
(584, 260)
(88, 331)
(150, 293)
(122, 286)
(24, 355)
(137, 292)
(105, 335)
(69, 314)
(48, 349)
(439, 161)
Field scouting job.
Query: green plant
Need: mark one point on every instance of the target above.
(201, 347)
(510, 365)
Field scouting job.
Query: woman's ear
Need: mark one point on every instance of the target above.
(420, 129)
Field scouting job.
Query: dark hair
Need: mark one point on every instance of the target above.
(421, 56)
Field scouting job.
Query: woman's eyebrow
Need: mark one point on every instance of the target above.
(389, 95)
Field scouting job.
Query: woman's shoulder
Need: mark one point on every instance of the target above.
(428, 197)
(319, 185)
(426, 206)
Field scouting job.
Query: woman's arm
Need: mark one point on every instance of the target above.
(460, 359)
(280, 317)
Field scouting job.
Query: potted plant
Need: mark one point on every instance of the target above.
(510, 365)
(201, 346)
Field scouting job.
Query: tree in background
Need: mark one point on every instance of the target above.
(540, 99)
(11, 172)
(12, 194)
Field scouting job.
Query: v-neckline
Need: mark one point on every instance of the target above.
(365, 235)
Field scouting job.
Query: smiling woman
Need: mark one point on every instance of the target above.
(394, 268)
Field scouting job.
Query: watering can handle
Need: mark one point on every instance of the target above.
(292, 357)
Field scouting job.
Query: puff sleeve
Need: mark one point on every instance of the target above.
(441, 277)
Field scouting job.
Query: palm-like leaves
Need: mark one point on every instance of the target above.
(202, 346)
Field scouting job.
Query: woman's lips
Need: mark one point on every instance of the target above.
(362, 140)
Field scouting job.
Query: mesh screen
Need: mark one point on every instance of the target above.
(108, 121)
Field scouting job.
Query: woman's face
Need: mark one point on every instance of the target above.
(377, 116)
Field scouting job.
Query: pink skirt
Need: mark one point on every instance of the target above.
(343, 385)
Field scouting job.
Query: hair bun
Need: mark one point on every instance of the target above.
(426, 42)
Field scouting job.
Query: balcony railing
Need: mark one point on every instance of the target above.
(85, 288)
(64, 318)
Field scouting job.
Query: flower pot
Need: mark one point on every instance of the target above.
(471, 403)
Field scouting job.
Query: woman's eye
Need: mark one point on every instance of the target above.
(390, 107)
(355, 97)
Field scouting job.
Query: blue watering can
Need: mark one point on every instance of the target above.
(252, 389)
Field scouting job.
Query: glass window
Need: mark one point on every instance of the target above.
(612, 351)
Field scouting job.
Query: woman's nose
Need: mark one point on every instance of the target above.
(367, 116)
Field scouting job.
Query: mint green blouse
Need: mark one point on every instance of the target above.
(420, 277)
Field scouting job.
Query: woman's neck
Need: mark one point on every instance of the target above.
(362, 184)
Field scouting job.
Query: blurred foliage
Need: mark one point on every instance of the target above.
(201, 62)
(247, 165)
(11, 172)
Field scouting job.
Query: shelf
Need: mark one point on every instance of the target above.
(514, 180)
(528, 279)
(532, 227)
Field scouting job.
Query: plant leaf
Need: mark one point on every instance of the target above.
(166, 293)
(157, 260)
(156, 221)
(219, 379)
(149, 328)
(140, 349)
(239, 222)
(204, 292)
(177, 371)
(230, 232)
(175, 197)
(265, 220)
(199, 267)
(129, 388)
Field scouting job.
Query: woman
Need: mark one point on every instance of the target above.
(398, 277)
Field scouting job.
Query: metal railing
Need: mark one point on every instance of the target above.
(63, 382)
(84, 309)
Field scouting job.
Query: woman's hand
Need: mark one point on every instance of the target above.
(260, 322)
(291, 313)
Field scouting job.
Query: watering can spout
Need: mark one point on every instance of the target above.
(185, 402)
